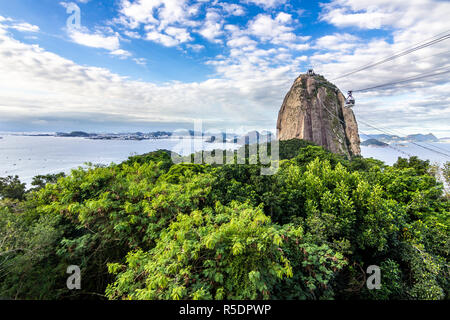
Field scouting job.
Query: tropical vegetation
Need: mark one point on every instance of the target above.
(151, 229)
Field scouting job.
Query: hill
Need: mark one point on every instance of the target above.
(314, 110)
(374, 142)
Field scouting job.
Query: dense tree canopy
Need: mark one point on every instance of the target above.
(12, 188)
(151, 229)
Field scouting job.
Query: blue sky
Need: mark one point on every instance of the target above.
(168, 62)
(151, 64)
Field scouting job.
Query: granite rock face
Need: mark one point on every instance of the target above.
(314, 110)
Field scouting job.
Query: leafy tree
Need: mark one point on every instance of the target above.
(11, 187)
(227, 253)
(40, 181)
(291, 148)
(446, 172)
(420, 166)
(29, 267)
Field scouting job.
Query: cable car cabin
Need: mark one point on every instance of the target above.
(350, 101)
(310, 72)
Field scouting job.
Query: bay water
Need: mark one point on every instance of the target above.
(28, 156)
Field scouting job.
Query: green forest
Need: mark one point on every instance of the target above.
(151, 229)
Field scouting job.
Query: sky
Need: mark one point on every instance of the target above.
(147, 65)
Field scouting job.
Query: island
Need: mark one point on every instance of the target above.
(373, 143)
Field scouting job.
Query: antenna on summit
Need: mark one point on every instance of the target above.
(310, 71)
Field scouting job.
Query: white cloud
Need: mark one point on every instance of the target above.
(3, 19)
(179, 33)
(337, 42)
(241, 41)
(278, 30)
(196, 47)
(157, 14)
(267, 3)
(95, 40)
(376, 14)
(104, 37)
(366, 20)
(173, 22)
(299, 46)
(161, 38)
(138, 12)
(284, 18)
(132, 34)
(19, 26)
(212, 27)
(25, 27)
(140, 61)
(122, 54)
(233, 9)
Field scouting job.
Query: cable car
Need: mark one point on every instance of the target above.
(310, 72)
(350, 101)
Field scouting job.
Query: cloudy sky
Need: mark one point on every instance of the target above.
(151, 64)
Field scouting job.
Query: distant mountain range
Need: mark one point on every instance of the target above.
(386, 138)
(247, 138)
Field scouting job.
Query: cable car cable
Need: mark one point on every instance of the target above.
(398, 133)
(418, 46)
(374, 127)
(389, 146)
(414, 78)
(381, 130)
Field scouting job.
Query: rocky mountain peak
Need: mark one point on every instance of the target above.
(314, 110)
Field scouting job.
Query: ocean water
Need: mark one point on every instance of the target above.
(28, 156)
(389, 155)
